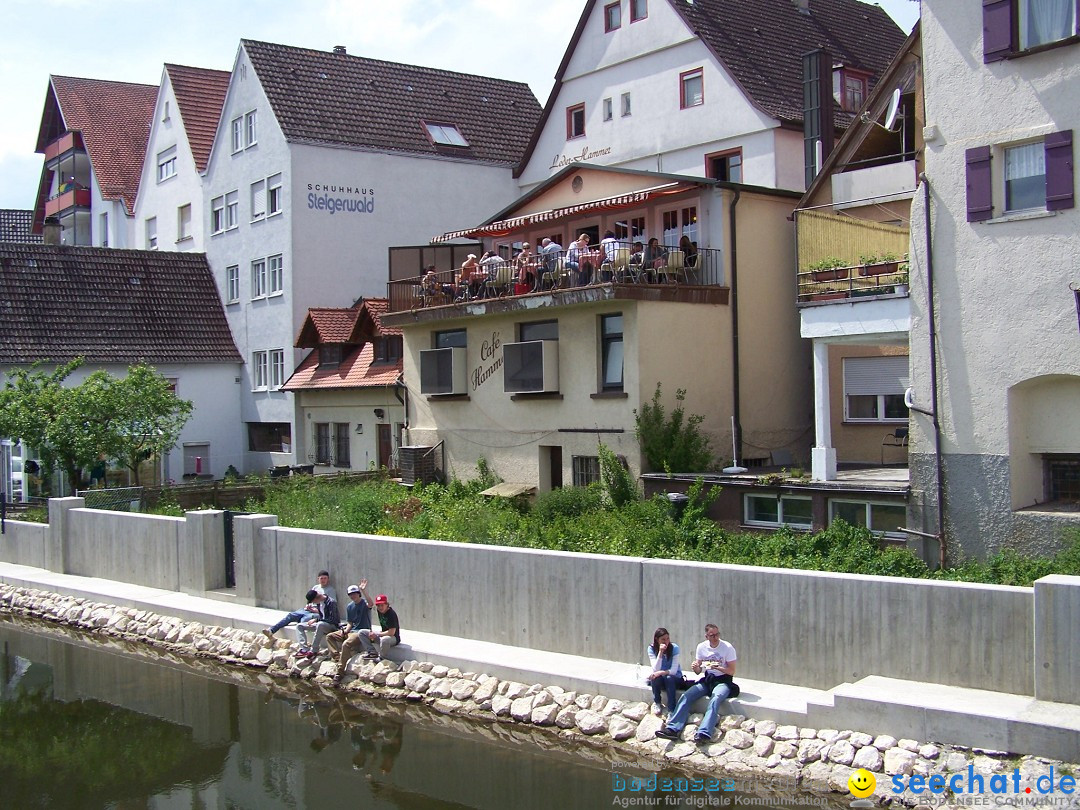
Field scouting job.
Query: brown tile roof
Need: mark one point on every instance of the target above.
(200, 94)
(332, 98)
(356, 370)
(110, 306)
(114, 118)
(762, 43)
(332, 325)
(15, 226)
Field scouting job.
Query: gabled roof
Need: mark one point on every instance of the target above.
(110, 306)
(114, 119)
(15, 226)
(761, 44)
(355, 327)
(200, 94)
(330, 98)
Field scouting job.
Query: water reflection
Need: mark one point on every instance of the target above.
(92, 723)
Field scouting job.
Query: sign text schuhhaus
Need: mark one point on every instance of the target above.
(334, 198)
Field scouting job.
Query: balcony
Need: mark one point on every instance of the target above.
(510, 284)
(68, 142)
(837, 283)
(889, 180)
(65, 200)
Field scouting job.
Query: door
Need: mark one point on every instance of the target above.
(386, 448)
(197, 460)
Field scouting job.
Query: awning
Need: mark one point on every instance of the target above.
(503, 227)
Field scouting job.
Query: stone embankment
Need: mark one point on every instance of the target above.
(816, 760)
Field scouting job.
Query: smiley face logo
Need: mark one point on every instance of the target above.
(861, 783)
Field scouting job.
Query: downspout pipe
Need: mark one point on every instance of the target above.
(735, 411)
(932, 318)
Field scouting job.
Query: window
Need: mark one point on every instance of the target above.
(770, 510)
(725, 166)
(322, 442)
(387, 349)
(607, 109)
(273, 195)
(232, 210)
(151, 233)
(276, 268)
(1034, 175)
(232, 284)
(538, 330)
(330, 355)
(612, 16)
(1063, 477)
(691, 88)
(849, 86)
(639, 10)
(165, 112)
(1013, 27)
(625, 104)
(251, 132)
(586, 470)
(258, 371)
(611, 352)
(341, 444)
(679, 223)
(104, 229)
(217, 215)
(258, 279)
(874, 388)
(258, 200)
(445, 134)
(630, 230)
(277, 369)
(166, 164)
(237, 134)
(269, 437)
(575, 121)
(449, 339)
(183, 222)
(885, 518)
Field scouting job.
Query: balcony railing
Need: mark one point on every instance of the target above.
(512, 278)
(72, 198)
(860, 281)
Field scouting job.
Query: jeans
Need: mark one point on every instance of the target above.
(678, 718)
(320, 629)
(665, 683)
(292, 618)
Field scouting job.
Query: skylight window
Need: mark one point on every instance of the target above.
(445, 134)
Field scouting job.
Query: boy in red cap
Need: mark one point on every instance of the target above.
(389, 633)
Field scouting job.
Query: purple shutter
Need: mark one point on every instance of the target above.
(997, 29)
(980, 203)
(1059, 171)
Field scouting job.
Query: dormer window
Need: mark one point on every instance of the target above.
(330, 355)
(444, 134)
(849, 87)
(387, 349)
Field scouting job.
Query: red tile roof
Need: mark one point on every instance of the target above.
(200, 94)
(335, 98)
(114, 118)
(110, 306)
(356, 370)
(333, 325)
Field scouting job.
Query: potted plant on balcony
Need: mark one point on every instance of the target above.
(829, 269)
(882, 265)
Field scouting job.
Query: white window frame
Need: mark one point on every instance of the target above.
(232, 284)
(685, 79)
(258, 200)
(237, 130)
(183, 225)
(1024, 30)
(151, 233)
(166, 164)
(277, 368)
(780, 521)
(217, 215)
(444, 134)
(259, 371)
(251, 128)
(275, 203)
(625, 105)
(888, 386)
(258, 279)
(607, 109)
(869, 506)
(275, 269)
(232, 210)
(1038, 150)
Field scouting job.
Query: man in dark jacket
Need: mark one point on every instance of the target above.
(326, 622)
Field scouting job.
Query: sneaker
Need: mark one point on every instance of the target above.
(657, 709)
(702, 737)
(371, 656)
(268, 633)
(304, 651)
(667, 733)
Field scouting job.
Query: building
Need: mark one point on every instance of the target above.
(347, 389)
(712, 88)
(995, 423)
(169, 208)
(321, 162)
(93, 136)
(115, 308)
(16, 225)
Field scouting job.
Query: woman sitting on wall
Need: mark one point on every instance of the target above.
(666, 675)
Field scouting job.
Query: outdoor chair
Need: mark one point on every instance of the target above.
(898, 438)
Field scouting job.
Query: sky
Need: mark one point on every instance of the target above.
(130, 40)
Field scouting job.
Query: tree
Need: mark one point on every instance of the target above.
(674, 443)
(146, 417)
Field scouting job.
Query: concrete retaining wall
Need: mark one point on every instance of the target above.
(142, 549)
(24, 543)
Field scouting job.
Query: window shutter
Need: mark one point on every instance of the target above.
(997, 30)
(980, 203)
(876, 375)
(1059, 171)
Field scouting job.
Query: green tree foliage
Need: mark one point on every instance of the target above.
(672, 442)
(616, 480)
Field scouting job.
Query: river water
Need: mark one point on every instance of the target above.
(87, 722)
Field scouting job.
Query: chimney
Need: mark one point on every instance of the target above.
(50, 231)
(803, 6)
(340, 49)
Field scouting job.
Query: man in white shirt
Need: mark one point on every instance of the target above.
(714, 659)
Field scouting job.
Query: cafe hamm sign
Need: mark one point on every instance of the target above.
(586, 155)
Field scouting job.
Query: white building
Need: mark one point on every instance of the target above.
(169, 208)
(994, 344)
(321, 162)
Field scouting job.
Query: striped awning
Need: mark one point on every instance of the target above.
(503, 227)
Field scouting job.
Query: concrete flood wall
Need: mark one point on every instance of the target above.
(807, 628)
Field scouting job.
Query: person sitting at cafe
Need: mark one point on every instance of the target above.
(525, 264)
(689, 250)
(655, 258)
(471, 277)
(609, 246)
(577, 260)
(550, 252)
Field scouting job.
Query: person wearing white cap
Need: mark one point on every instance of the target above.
(347, 641)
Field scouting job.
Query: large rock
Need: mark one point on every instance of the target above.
(439, 671)
(842, 752)
(589, 722)
(566, 716)
(265, 656)
(463, 689)
(521, 709)
(635, 711)
(929, 751)
(564, 699)
(613, 706)
(486, 690)
(763, 746)
(544, 715)
(786, 749)
(620, 728)
(809, 751)
(418, 681)
(647, 728)
(883, 742)
(598, 703)
(543, 698)
(765, 728)
(440, 688)
(786, 733)
(899, 761)
(731, 721)
(859, 739)
(583, 700)
(500, 705)
(515, 690)
(395, 680)
(737, 738)
(869, 758)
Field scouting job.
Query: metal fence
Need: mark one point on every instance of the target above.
(117, 499)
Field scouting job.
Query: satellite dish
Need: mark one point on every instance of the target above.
(893, 112)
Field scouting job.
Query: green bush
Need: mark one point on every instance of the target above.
(672, 442)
